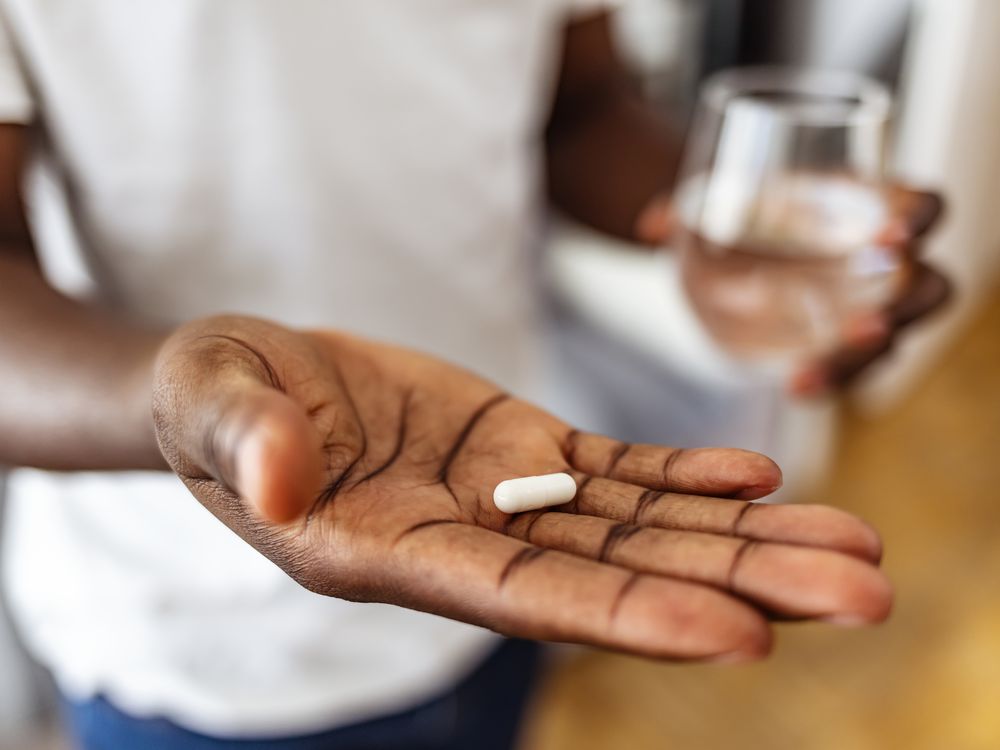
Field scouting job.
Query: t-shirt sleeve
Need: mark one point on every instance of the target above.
(16, 104)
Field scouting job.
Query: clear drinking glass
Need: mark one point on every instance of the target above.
(781, 214)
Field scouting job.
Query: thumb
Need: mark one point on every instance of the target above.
(219, 417)
(264, 448)
(657, 222)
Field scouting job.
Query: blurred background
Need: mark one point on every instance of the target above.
(912, 448)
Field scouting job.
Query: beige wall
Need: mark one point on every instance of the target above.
(949, 137)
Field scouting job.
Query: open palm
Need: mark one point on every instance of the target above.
(367, 471)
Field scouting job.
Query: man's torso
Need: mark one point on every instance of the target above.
(368, 165)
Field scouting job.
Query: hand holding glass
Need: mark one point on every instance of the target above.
(784, 227)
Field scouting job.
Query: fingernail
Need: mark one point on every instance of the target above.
(896, 232)
(866, 329)
(846, 621)
(733, 657)
(811, 381)
(757, 491)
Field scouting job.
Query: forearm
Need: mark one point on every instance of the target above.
(76, 383)
(605, 169)
(608, 152)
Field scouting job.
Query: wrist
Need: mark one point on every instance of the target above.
(138, 384)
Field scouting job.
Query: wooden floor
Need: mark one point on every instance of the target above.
(926, 476)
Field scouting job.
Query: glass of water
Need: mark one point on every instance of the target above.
(783, 220)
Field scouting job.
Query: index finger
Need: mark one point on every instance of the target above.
(719, 472)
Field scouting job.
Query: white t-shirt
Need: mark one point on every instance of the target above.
(363, 164)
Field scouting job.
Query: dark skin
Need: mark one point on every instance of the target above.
(366, 471)
(612, 163)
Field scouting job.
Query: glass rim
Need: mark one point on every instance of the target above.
(872, 100)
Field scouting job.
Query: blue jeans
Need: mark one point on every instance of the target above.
(482, 712)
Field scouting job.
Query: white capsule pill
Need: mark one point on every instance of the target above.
(532, 493)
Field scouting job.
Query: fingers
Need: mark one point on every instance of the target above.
(790, 581)
(479, 576)
(720, 472)
(928, 292)
(808, 583)
(807, 525)
(920, 210)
